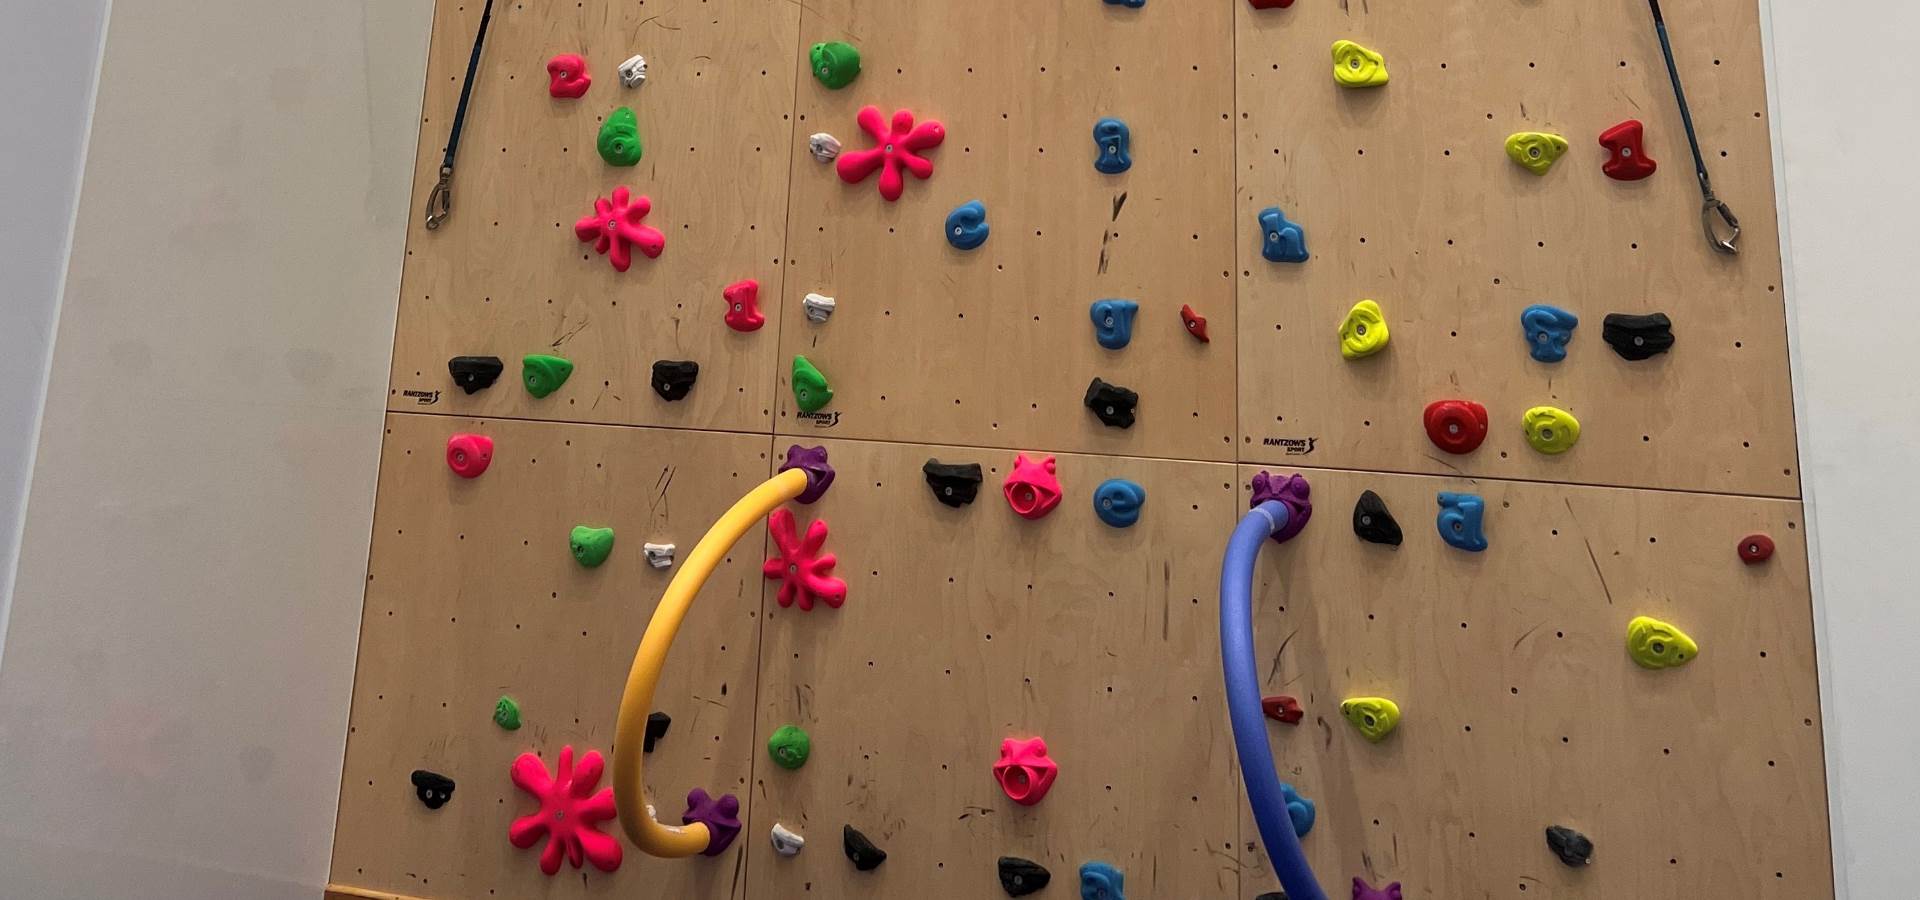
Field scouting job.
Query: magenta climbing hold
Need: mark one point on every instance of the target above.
(721, 816)
(894, 149)
(567, 77)
(616, 227)
(804, 572)
(1291, 490)
(1364, 891)
(743, 305)
(1031, 488)
(570, 811)
(1025, 771)
(813, 461)
(468, 455)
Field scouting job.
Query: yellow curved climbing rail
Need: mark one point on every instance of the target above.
(629, 741)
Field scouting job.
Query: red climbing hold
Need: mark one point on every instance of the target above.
(570, 811)
(1456, 426)
(468, 455)
(893, 150)
(1282, 708)
(804, 571)
(1756, 548)
(1627, 158)
(743, 305)
(567, 77)
(615, 227)
(1196, 323)
(1025, 771)
(1031, 488)
(1270, 4)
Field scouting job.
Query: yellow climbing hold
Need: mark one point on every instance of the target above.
(1376, 717)
(1355, 66)
(1657, 645)
(1364, 331)
(1535, 151)
(1550, 429)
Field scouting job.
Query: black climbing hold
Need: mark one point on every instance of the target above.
(474, 373)
(1571, 846)
(1637, 337)
(1272, 895)
(673, 378)
(1020, 877)
(656, 728)
(433, 788)
(866, 857)
(1372, 522)
(1112, 403)
(955, 484)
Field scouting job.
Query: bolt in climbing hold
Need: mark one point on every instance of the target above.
(1364, 891)
(743, 305)
(789, 746)
(474, 373)
(785, 842)
(1291, 490)
(1196, 324)
(1299, 809)
(1364, 331)
(1112, 143)
(810, 390)
(506, 713)
(896, 147)
(567, 77)
(1099, 881)
(673, 378)
(591, 546)
(1535, 151)
(1627, 159)
(570, 811)
(866, 857)
(468, 455)
(967, 225)
(804, 572)
(1548, 329)
(1031, 488)
(1456, 426)
(1281, 240)
(1113, 322)
(1372, 522)
(824, 147)
(1756, 548)
(544, 374)
(1375, 717)
(659, 556)
(657, 725)
(1283, 709)
(721, 816)
(954, 484)
(619, 140)
(1461, 521)
(1571, 846)
(1111, 403)
(1020, 877)
(1657, 645)
(633, 72)
(1550, 429)
(1117, 502)
(433, 788)
(835, 63)
(1355, 66)
(1025, 771)
(616, 229)
(1637, 337)
(813, 461)
(818, 307)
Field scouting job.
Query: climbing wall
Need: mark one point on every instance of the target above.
(968, 625)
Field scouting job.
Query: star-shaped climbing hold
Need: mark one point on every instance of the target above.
(802, 568)
(893, 150)
(569, 812)
(615, 226)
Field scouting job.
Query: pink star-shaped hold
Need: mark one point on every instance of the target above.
(801, 566)
(569, 811)
(895, 150)
(615, 225)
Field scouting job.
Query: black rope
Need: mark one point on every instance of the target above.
(440, 202)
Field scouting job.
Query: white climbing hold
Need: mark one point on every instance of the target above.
(819, 308)
(633, 71)
(825, 147)
(659, 556)
(785, 842)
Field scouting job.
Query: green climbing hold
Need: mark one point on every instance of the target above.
(790, 746)
(506, 713)
(810, 390)
(544, 374)
(620, 138)
(591, 546)
(835, 63)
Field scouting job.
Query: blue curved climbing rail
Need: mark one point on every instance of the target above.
(1243, 701)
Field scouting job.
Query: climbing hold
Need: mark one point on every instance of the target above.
(1535, 151)
(570, 811)
(813, 461)
(469, 454)
(1364, 891)
(1136, 4)
(1550, 429)
(789, 746)
(967, 225)
(615, 229)
(657, 725)
(1112, 403)
(1627, 159)
(825, 147)
(567, 77)
(433, 788)
(619, 140)
(1117, 502)
(1270, 895)
(810, 390)
(1099, 881)
(544, 374)
(1020, 877)
(743, 305)
(1270, 4)
(633, 72)
(1456, 426)
(1375, 717)
(591, 546)
(1031, 488)
(866, 857)
(1113, 322)
(1756, 548)
(1113, 145)
(895, 148)
(805, 573)
(1460, 521)
(1291, 490)
(1657, 645)
(1281, 240)
(818, 307)
(954, 484)
(1571, 846)
(1299, 809)
(1283, 709)
(659, 556)
(1372, 522)
(721, 816)
(785, 842)
(1196, 324)
(1364, 331)
(1025, 771)
(1548, 329)
(673, 378)
(506, 713)
(474, 373)
(835, 63)
(1355, 66)
(1637, 337)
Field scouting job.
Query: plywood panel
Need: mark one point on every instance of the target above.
(471, 593)
(1408, 198)
(1522, 708)
(995, 347)
(506, 276)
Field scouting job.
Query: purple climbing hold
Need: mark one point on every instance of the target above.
(1364, 891)
(722, 818)
(1288, 489)
(813, 460)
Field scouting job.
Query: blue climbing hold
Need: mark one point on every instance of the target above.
(1113, 322)
(1136, 4)
(1299, 808)
(1112, 138)
(1099, 881)
(1460, 521)
(1117, 502)
(1281, 240)
(1548, 329)
(967, 225)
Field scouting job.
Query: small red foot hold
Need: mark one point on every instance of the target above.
(567, 77)
(743, 305)
(1627, 158)
(1282, 708)
(1270, 4)
(1456, 426)
(1196, 324)
(1755, 549)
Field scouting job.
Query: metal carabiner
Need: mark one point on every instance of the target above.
(1708, 210)
(440, 202)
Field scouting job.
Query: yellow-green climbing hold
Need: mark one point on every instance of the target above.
(1550, 429)
(1535, 151)
(1355, 66)
(810, 390)
(1364, 331)
(544, 374)
(1657, 645)
(1375, 717)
